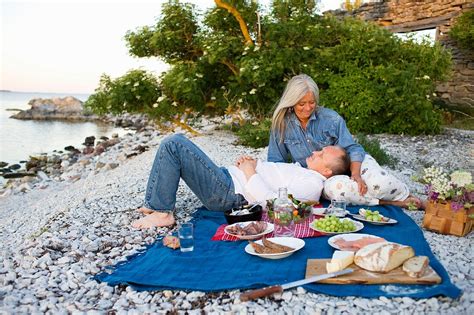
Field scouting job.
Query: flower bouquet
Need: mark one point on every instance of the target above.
(450, 208)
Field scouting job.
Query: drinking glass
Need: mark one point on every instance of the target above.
(186, 237)
(337, 208)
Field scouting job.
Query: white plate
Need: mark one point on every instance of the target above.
(293, 242)
(269, 229)
(362, 218)
(322, 211)
(347, 237)
(359, 226)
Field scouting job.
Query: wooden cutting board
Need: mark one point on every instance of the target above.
(360, 276)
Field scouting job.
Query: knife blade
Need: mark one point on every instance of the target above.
(258, 293)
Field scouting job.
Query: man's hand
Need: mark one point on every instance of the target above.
(247, 165)
(361, 184)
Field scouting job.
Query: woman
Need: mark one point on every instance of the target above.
(300, 126)
(221, 188)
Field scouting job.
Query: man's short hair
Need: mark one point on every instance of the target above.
(341, 164)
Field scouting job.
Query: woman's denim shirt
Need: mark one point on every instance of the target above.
(325, 127)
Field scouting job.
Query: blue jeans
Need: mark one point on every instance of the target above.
(178, 157)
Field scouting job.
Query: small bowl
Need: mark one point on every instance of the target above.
(254, 215)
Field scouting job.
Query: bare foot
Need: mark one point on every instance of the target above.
(145, 210)
(412, 203)
(155, 219)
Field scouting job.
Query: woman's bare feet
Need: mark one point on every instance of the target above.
(410, 203)
(155, 219)
(145, 210)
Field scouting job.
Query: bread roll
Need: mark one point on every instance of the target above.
(382, 257)
(416, 266)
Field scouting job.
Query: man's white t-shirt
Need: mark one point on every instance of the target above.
(302, 183)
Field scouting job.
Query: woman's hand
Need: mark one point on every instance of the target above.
(360, 183)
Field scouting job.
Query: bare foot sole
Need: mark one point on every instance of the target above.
(155, 219)
(145, 210)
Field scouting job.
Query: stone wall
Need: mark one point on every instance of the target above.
(400, 16)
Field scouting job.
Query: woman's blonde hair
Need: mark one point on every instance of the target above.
(295, 90)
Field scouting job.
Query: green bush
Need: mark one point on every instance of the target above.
(373, 148)
(463, 30)
(254, 134)
(376, 81)
(135, 92)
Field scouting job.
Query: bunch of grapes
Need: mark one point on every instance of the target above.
(334, 224)
(372, 216)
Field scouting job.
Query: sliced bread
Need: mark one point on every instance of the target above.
(416, 266)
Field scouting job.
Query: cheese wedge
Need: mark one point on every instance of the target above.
(340, 260)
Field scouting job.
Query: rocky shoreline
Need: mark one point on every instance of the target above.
(65, 228)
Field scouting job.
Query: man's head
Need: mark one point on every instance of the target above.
(331, 160)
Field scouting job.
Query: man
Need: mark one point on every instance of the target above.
(221, 188)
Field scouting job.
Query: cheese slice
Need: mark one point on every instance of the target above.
(340, 260)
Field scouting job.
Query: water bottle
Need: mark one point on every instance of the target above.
(283, 212)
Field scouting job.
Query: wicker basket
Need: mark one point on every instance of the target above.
(439, 217)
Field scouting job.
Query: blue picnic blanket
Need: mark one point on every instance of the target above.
(218, 265)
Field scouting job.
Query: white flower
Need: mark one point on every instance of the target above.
(136, 84)
(138, 97)
(213, 98)
(161, 98)
(256, 48)
(253, 91)
(199, 75)
(306, 48)
(461, 178)
(186, 80)
(174, 104)
(244, 93)
(255, 67)
(242, 69)
(155, 105)
(240, 100)
(426, 77)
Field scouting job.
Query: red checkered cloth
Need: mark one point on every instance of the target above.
(302, 230)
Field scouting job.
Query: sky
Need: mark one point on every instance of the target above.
(64, 46)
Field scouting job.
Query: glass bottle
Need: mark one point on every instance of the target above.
(283, 212)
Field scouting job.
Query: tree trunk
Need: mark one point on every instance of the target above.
(238, 17)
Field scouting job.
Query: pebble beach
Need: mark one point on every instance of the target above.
(58, 232)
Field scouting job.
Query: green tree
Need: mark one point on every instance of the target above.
(235, 56)
(463, 29)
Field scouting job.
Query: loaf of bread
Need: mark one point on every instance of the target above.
(382, 257)
(416, 266)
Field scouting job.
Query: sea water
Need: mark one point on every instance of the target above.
(20, 139)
